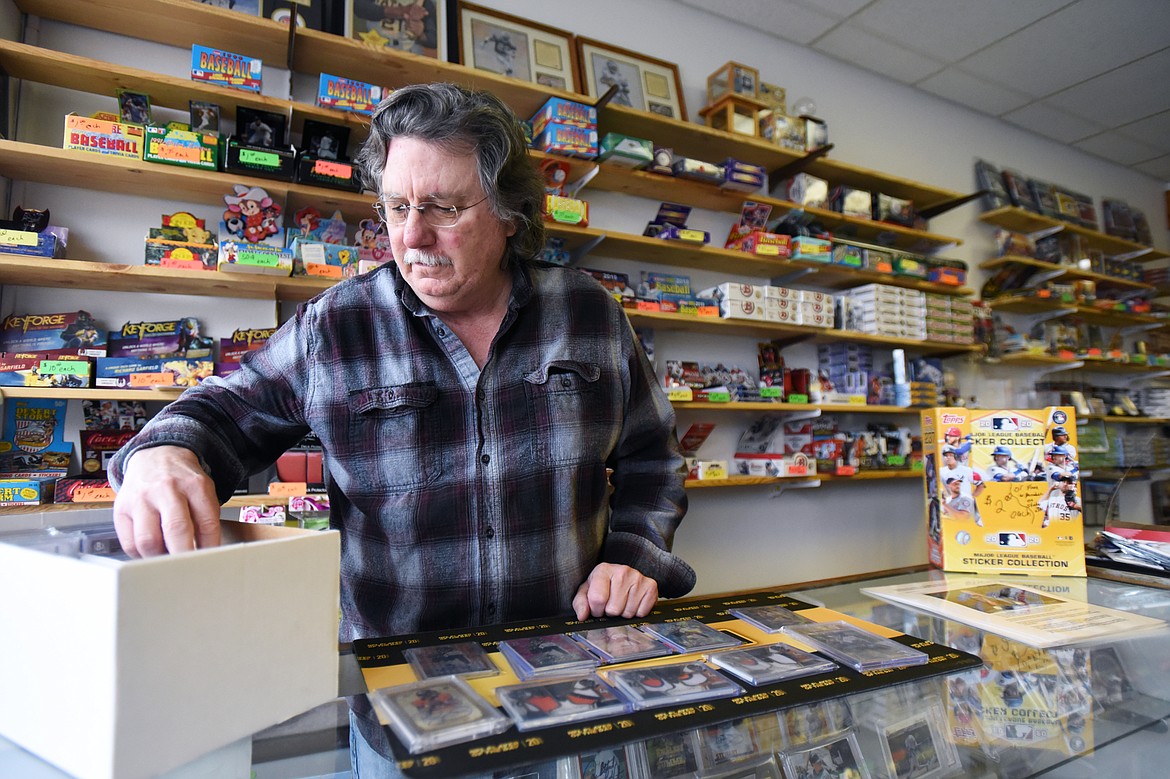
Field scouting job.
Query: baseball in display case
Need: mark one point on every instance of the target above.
(1003, 491)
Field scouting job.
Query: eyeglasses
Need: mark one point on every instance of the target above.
(396, 212)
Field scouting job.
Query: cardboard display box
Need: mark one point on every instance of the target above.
(132, 668)
(1003, 491)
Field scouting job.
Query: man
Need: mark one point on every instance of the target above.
(1060, 438)
(468, 400)
(1003, 468)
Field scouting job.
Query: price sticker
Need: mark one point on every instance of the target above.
(284, 489)
(18, 237)
(58, 367)
(336, 169)
(152, 379)
(93, 495)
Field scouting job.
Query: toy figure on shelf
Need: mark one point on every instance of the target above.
(251, 214)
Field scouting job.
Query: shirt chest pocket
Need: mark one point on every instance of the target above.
(393, 438)
(573, 418)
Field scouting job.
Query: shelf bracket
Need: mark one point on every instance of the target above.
(794, 275)
(1031, 320)
(807, 484)
(941, 208)
(579, 184)
(1133, 329)
(584, 249)
(1153, 376)
(797, 416)
(1133, 254)
(796, 166)
(1047, 231)
(1039, 278)
(1045, 370)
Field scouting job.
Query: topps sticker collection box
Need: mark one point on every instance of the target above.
(1003, 491)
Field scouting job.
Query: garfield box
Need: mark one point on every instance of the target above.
(1003, 491)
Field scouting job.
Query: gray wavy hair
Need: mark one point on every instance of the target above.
(460, 120)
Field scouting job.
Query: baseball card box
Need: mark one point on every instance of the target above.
(1003, 491)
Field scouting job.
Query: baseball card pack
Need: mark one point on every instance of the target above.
(1003, 491)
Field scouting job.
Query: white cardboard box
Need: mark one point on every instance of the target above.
(130, 669)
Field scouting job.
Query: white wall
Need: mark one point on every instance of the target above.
(736, 538)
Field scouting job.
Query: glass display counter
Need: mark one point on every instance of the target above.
(1095, 710)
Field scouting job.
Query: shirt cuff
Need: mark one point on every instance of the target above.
(675, 578)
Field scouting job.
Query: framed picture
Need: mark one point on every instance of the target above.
(511, 46)
(414, 26)
(642, 82)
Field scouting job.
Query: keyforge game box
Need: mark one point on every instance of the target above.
(1003, 491)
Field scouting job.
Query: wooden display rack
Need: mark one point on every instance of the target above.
(734, 113)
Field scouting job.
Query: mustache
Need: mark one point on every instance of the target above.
(423, 257)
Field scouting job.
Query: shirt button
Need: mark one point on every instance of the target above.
(485, 458)
(442, 333)
(566, 382)
(490, 532)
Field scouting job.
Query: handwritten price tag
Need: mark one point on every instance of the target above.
(57, 367)
(152, 379)
(284, 489)
(336, 169)
(18, 237)
(94, 495)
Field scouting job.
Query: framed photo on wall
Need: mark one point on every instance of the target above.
(644, 83)
(414, 26)
(511, 46)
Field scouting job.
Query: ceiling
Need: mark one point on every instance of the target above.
(1092, 74)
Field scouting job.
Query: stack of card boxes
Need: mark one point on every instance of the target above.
(772, 304)
(880, 309)
(949, 319)
(565, 127)
(847, 365)
(1155, 401)
(743, 176)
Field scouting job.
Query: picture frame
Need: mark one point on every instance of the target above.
(645, 83)
(412, 26)
(512, 46)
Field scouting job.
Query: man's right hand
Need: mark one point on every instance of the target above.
(166, 503)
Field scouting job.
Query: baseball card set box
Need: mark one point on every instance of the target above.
(1003, 491)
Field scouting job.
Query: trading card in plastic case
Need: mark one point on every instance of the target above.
(465, 658)
(916, 748)
(837, 757)
(606, 763)
(772, 663)
(668, 685)
(670, 756)
(727, 742)
(547, 702)
(690, 635)
(859, 649)
(770, 618)
(764, 768)
(620, 643)
(437, 712)
(546, 656)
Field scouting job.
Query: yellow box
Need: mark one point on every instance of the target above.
(1003, 491)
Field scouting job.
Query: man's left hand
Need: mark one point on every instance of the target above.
(615, 591)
